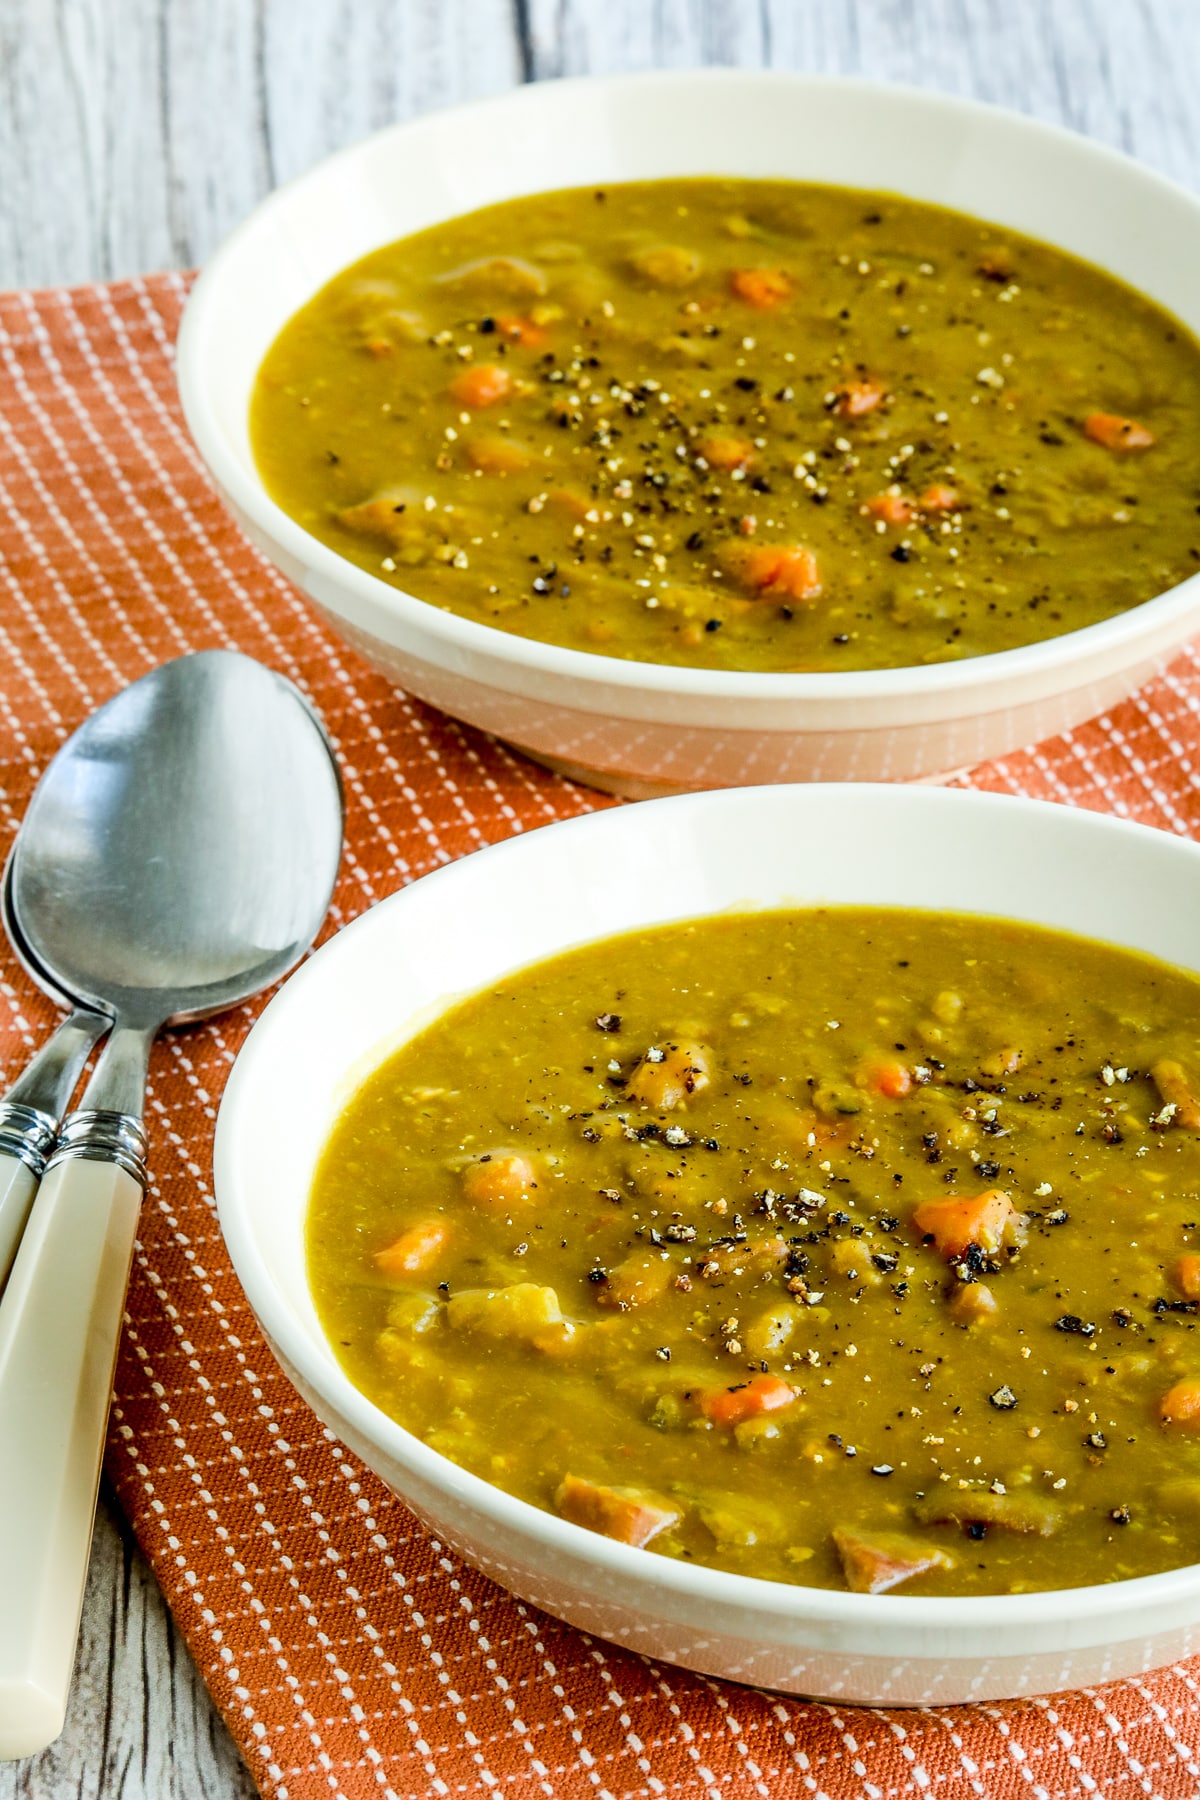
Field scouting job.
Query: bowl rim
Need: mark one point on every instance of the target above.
(1067, 1608)
(590, 669)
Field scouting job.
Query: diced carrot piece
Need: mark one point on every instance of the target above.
(484, 384)
(889, 1078)
(1186, 1276)
(1180, 1405)
(775, 571)
(521, 331)
(855, 398)
(796, 576)
(501, 1178)
(988, 1220)
(763, 288)
(973, 1304)
(415, 1249)
(729, 1406)
(939, 498)
(495, 454)
(1177, 1091)
(669, 1074)
(1116, 433)
(631, 1515)
(726, 452)
(893, 509)
(873, 1565)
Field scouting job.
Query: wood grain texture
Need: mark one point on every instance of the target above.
(1123, 71)
(135, 136)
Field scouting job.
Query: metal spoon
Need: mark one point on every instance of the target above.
(178, 856)
(33, 1106)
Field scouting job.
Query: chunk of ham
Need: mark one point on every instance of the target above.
(628, 1514)
(641, 1278)
(1021, 1511)
(1113, 432)
(858, 397)
(876, 1563)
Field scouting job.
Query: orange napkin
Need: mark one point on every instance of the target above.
(351, 1654)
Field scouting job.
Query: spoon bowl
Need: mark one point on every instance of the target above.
(179, 854)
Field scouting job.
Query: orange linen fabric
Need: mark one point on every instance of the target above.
(351, 1655)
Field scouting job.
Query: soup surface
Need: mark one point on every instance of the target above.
(741, 425)
(837, 1247)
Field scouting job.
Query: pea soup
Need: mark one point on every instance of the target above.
(741, 424)
(846, 1247)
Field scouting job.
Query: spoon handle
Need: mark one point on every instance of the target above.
(29, 1116)
(60, 1320)
(18, 1185)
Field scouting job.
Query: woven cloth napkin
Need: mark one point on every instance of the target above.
(350, 1653)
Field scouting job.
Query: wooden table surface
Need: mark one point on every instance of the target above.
(133, 136)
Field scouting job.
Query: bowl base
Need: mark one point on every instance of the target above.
(637, 787)
(608, 781)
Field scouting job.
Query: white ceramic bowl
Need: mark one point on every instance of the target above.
(481, 918)
(638, 728)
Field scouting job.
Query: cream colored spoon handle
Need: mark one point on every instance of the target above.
(18, 1185)
(60, 1321)
(29, 1116)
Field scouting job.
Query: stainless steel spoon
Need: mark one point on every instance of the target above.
(178, 856)
(31, 1110)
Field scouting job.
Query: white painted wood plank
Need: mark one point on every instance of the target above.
(337, 70)
(1125, 71)
(134, 136)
